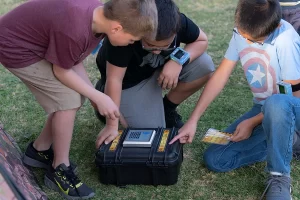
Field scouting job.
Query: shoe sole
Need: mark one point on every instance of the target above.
(51, 185)
(291, 194)
(35, 163)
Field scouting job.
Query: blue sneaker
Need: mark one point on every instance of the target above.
(278, 188)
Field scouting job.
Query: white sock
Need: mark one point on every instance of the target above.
(276, 173)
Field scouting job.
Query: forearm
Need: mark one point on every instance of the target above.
(210, 92)
(113, 88)
(74, 81)
(256, 120)
(196, 49)
(80, 70)
(213, 88)
(296, 94)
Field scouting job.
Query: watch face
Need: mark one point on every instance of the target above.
(281, 89)
(179, 54)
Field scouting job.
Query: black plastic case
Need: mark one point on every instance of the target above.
(155, 165)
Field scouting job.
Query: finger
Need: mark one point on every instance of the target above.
(235, 138)
(170, 85)
(234, 133)
(190, 140)
(112, 116)
(242, 136)
(117, 113)
(175, 84)
(99, 141)
(232, 138)
(101, 113)
(105, 114)
(165, 83)
(175, 138)
(182, 140)
(109, 139)
(237, 130)
(160, 80)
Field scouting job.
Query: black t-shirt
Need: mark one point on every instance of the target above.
(140, 63)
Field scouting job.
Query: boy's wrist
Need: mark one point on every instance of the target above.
(112, 123)
(173, 62)
(254, 121)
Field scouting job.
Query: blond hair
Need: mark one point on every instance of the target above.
(137, 17)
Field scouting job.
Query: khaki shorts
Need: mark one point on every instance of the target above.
(51, 94)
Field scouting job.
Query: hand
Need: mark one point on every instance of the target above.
(106, 135)
(243, 131)
(106, 106)
(186, 133)
(168, 77)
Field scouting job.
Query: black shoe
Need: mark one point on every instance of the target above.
(100, 87)
(173, 119)
(64, 180)
(41, 159)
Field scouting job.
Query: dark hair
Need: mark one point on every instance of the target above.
(258, 18)
(138, 17)
(168, 19)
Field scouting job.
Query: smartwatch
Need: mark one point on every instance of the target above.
(180, 56)
(285, 88)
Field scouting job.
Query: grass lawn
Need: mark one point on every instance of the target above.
(23, 119)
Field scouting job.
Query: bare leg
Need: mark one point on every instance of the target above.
(44, 140)
(62, 129)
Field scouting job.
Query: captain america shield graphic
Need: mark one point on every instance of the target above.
(259, 73)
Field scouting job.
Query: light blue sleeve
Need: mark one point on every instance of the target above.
(232, 51)
(288, 52)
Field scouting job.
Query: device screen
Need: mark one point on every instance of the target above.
(179, 54)
(281, 89)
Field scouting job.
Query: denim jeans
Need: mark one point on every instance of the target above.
(281, 120)
(271, 141)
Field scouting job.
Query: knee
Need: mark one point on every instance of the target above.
(206, 61)
(205, 65)
(209, 160)
(212, 162)
(276, 106)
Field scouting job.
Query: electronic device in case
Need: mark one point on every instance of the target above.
(180, 56)
(139, 138)
(284, 88)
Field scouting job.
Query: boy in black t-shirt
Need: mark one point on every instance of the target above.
(135, 75)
